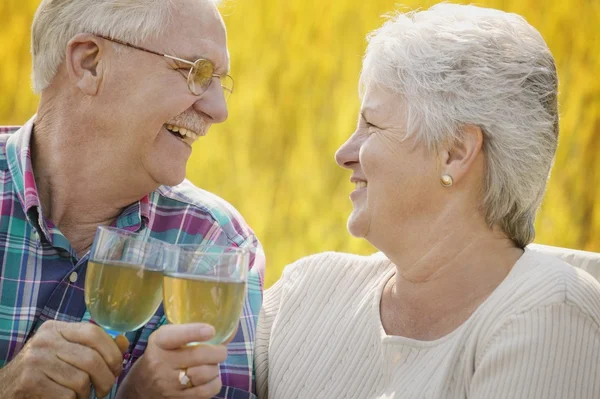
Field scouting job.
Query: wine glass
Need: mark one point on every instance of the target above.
(123, 282)
(207, 284)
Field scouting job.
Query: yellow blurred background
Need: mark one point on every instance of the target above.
(296, 63)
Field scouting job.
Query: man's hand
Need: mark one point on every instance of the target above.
(61, 361)
(156, 373)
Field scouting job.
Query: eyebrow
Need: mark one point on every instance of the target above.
(371, 114)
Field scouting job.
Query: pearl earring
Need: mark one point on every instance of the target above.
(447, 180)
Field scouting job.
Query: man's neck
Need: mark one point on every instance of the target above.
(78, 186)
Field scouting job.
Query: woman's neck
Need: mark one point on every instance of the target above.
(437, 289)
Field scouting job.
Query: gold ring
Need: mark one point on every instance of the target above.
(184, 379)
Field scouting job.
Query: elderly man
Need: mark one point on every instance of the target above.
(126, 87)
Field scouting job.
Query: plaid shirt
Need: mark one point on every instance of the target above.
(41, 277)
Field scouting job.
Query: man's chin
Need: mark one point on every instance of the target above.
(166, 168)
(173, 181)
(169, 179)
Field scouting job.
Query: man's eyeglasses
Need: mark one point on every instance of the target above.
(200, 75)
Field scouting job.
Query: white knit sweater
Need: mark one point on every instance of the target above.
(536, 336)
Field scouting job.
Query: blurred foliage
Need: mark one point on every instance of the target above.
(296, 64)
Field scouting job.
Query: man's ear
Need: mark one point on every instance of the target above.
(458, 158)
(84, 62)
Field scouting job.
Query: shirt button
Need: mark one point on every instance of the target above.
(73, 277)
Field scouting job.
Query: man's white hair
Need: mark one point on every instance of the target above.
(459, 65)
(57, 21)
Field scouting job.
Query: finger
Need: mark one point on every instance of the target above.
(122, 342)
(89, 361)
(175, 336)
(94, 337)
(48, 388)
(198, 355)
(204, 374)
(34, 382)
(69, 377)
(207, 390)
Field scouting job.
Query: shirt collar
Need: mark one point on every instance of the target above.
(18, 156)
(135, 216)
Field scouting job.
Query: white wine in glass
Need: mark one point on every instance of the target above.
(122, 297)
(123, 281)
(217, 302)
(207, 285)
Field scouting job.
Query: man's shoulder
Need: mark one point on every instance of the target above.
(195, 204)
(9, 129)
(188, 194)
(5, 133)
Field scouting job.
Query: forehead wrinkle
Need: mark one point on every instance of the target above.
(197, 32)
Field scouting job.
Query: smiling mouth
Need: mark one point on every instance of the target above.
(183, 134)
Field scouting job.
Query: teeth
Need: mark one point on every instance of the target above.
(182, 132)
(361, 184)
(188, 133)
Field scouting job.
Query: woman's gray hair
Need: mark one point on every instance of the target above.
(458, 65)
(57, 21)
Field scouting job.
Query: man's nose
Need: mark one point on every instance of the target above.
(212, 103)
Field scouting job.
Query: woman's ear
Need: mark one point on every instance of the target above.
(458, 158)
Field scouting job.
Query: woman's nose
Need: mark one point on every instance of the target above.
(347, 154)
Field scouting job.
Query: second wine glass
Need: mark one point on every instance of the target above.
(207, 284)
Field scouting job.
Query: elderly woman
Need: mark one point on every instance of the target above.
(455, 139)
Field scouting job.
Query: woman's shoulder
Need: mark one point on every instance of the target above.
(541, 326)
(577, 287)
(319, 286)
(334, 267)
(547, 273)
(540, 281)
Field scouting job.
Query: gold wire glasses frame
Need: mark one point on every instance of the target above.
(200, 75)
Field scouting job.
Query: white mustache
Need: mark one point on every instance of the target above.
(189, 121)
